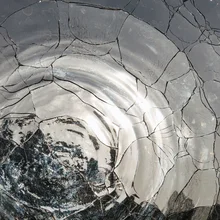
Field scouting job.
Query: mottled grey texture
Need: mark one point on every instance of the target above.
(109, 109)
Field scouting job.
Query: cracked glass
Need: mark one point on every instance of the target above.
(109, 109)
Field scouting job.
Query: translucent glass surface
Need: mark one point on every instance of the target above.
(109, 109)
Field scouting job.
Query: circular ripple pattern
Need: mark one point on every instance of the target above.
(107, 114)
